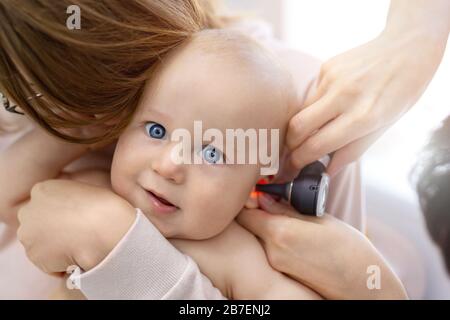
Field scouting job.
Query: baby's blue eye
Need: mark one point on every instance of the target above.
(212, 155)
(155, 130)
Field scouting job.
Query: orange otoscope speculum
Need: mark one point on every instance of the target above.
(308, 192)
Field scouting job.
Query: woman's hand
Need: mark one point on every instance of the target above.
(325, 254)
(71, 223)
(363, 91)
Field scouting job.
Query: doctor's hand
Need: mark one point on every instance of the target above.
(71, 223)
(360, 93)
(324, 253)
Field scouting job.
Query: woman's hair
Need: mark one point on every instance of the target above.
(95, 75)
(432, 180)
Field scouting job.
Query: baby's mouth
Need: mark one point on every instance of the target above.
(161, 199)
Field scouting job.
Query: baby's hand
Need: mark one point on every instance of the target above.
(71, 223)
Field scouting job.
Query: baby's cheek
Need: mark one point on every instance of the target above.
(124, 166)
(214, 210)
(212, 217)
(117, 182)
(120, 176)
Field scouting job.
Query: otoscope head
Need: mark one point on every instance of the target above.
(307, 193)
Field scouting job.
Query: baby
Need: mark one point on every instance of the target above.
(227, 81)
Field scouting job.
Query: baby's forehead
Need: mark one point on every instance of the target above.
(225, 76)
(230, 48)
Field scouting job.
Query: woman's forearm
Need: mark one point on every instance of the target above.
(390, 287)
(353, 271)
(431, 17)
(364, 274)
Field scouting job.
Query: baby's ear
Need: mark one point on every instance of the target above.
(252, 201)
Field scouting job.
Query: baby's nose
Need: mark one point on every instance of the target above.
(164, 165)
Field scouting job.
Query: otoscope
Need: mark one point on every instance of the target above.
(308, 192)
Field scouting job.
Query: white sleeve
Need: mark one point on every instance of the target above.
(145, 265)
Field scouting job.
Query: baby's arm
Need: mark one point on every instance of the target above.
(96, 177)
(236, 264)
(35, 157)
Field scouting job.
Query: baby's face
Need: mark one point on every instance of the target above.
(204, 198)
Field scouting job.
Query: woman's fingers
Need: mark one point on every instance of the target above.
(329, 138)
(268, 204)
(286, 171)
(267, 222)
(351, 152)
(313, 93)
(310, 119)
(271, 219)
